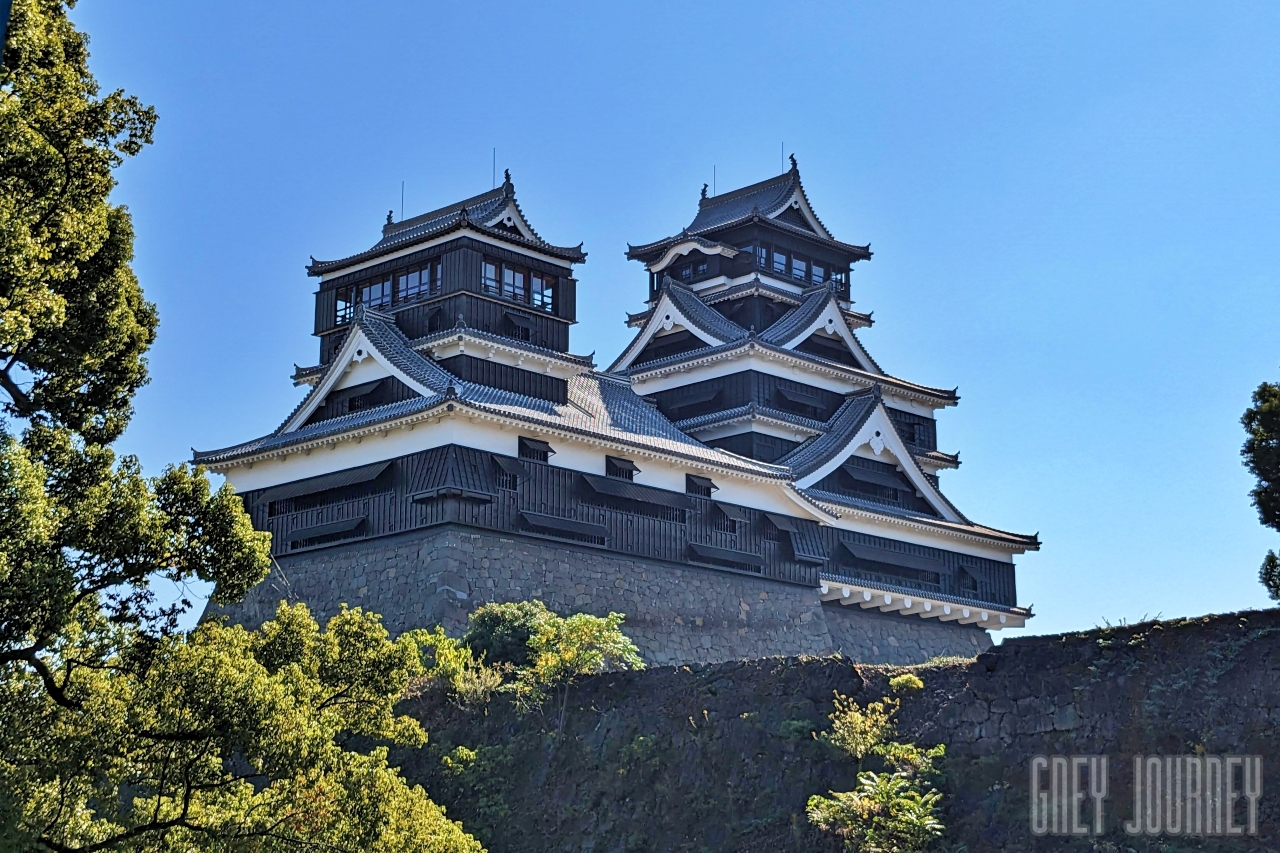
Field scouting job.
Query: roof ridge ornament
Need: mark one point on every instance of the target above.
(461, 322)
(704, 192)
(391, 217)
(462, 212)
(508, 188)
(795, 167)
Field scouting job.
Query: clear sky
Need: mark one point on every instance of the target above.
(1073, 208)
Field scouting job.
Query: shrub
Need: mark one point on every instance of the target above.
(894, 811)
(466, 677)
(500, 633)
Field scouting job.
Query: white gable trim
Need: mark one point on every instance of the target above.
(878, 432)
(800, 203)
(664, 317)
(832, 322)
(511, 216)
(355, 349)
(781, 363)
(679, 250)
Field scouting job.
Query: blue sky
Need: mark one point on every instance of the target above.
(1073, 209)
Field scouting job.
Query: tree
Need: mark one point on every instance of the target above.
(117, 731)
(501, 632)
(891, 811)
(1261, 454)
(565, 649)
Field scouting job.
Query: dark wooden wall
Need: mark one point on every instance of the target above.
(755, 445)
(386, 505)
(748, 386)
(460, 273)
(508, 378)
(364, 396)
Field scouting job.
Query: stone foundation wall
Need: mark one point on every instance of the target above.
(675, 614)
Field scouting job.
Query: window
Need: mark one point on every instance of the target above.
(762, 256)
(535, 449)
(416, 283)
(700, 486)
(818, 273)
(515, 284)
(543, 291)
(623, 469)
(376, 294)
(701, 268)
(780, 262)
(490, 277)
(346, 305)
(799, 268)
(686, 272)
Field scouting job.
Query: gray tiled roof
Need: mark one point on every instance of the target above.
(798, 319)
(426, 341)
(949, 396)
(750, 410)
(824, 497)
(755, 286)
(599, 406)
(383, 333)
(842, 426)
(701, 314)
(765, 199)
(472, 212)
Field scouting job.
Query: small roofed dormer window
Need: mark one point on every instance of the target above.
(619, 468)
(700, 486)
(535, 449)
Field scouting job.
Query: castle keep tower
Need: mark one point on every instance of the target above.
(743, 481)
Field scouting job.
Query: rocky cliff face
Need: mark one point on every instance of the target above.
(722, 757)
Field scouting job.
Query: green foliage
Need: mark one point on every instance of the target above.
(116, 731)
(1261, 453)
(468, 680)
(1269, 574)
(562, 650)
(793, 729)
(500, 633)
(892, 811)
(905, 682)
(73, 323)
(885, 814)
(857, 730)
(227, 739)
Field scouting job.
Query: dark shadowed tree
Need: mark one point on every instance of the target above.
(117, 731)
(1261, 454)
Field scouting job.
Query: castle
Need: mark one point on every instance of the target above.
(743, 481)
